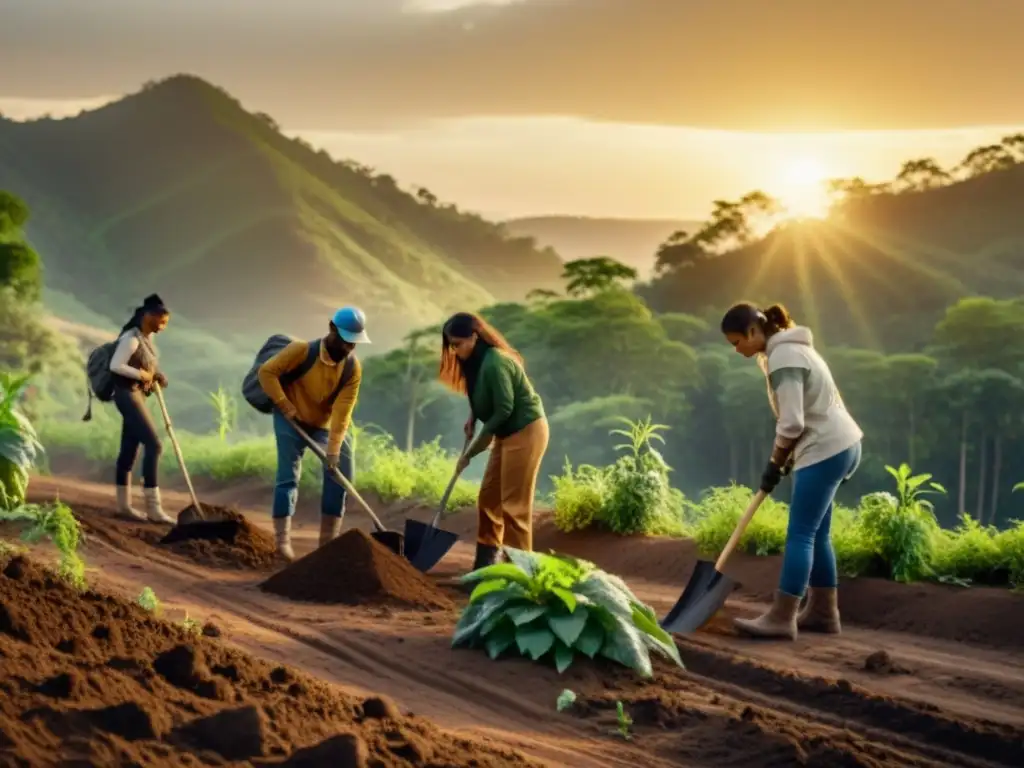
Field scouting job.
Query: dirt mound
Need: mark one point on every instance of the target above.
(730, 710)
(91, 679)
(231, 542)
(356, 570)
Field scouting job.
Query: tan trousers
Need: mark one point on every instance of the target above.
(505, 503)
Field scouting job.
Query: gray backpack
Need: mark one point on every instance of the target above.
(253, 392)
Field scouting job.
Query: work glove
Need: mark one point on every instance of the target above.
(771, 477)
(160, 379)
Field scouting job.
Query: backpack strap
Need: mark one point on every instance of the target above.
(346, 376)
(296, 373)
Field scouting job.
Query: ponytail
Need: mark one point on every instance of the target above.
(743, 316)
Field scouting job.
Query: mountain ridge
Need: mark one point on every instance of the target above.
(177, 188)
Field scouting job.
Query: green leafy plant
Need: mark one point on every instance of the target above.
(225, 411)
(148, 600)
(191, 626)
(19, 445)
(578, 496)
(57, 523)
(565, 700)
(624, 721)
(557, 607)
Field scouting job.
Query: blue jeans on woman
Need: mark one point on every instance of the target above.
(290, 449)
(809, 557)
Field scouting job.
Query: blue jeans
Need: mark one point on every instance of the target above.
(809, 557)
(290, 448)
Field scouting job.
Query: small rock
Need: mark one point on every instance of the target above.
(346, 750)
(234, 734)
(211, 630)
(381, 708)
(880, 662)
(181, 666)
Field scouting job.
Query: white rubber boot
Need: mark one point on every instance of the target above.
(282, 533)
(124, 503)
(154, 510)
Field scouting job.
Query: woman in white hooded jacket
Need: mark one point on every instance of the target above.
(818, 441)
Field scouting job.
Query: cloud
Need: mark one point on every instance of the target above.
(731, 64)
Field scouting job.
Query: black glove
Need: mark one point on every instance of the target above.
(773, 473)
(160, 379)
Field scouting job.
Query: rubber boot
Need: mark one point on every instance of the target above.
(821, 614)
(779, 621)
(154, 510)
(282, 534)
(330, 527)
(124, 503)
(485, 556)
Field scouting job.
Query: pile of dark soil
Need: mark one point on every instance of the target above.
(234, 542)
(356, 570)
(90, 679)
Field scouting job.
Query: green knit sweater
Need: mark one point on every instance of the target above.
(503, 398)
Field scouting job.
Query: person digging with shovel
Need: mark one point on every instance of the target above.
(321, 402)
(133, 365)
(818, 441)
(478, 362)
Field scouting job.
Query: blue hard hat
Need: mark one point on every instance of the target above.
(351, 325)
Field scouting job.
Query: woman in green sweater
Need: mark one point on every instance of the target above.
(478, 362)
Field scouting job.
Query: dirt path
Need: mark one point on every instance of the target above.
(742, 703)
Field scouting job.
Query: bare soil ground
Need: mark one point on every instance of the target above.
(923, 675)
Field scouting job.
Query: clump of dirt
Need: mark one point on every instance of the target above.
(91, 679)
(704, 715)
(356, 570)
(881, 663)
(227, 540)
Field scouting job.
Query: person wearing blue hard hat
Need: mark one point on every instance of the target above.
(320, 400)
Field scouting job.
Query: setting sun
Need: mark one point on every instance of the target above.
(801, 189)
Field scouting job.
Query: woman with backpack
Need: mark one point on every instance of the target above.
(817, 440)
(477, 361)
(133, 366)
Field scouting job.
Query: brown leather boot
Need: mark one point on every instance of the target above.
(283, 537)
(821, 614)
(779, 621)
(330, 527)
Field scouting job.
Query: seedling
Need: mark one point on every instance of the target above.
(624, 720)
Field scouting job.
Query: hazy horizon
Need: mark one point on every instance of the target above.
(645, 109)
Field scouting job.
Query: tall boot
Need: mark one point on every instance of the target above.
(154, 510)
(330, 527)
(124, 502)
(821, 614)
(779, 621)
(282, 534)
(485, 555)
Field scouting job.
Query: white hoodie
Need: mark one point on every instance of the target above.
(805, 399)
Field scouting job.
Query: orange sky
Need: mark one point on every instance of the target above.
(606, 107)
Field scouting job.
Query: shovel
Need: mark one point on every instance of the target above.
(708, 588)
(193, 523)
(393, 540)
(425, 543)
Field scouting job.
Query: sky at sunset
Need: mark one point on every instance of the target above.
(640, 108)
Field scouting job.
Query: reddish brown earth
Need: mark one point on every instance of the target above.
(902, 686)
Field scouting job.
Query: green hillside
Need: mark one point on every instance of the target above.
(880, 271)
(631, 241)
(178, 189)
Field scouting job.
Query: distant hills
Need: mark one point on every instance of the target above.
(881, 271)
(631, 241)
(178, 189)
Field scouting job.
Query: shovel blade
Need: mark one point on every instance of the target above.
(704, 596)
(393, 540)
(425, 545)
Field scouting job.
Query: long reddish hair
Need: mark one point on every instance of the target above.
(461, 326)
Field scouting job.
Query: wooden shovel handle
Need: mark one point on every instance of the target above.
(342, 480)
(177, 448)
(741, 527)
(448, 491)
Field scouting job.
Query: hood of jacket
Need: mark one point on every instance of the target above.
(796, 335)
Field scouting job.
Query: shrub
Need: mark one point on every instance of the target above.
(19, 445)
(557, 607)
(578, 496)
